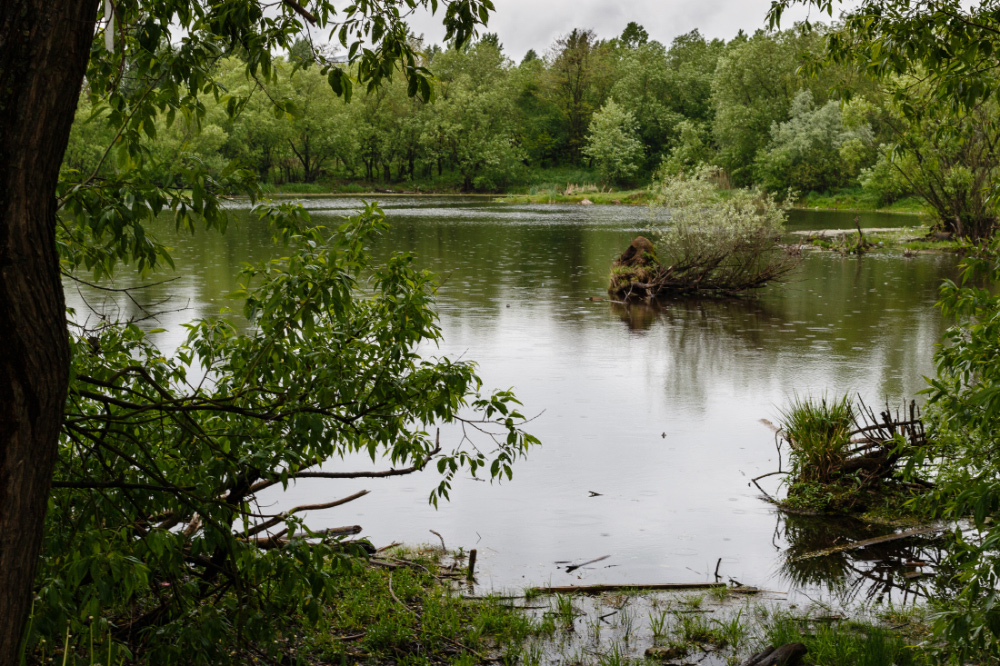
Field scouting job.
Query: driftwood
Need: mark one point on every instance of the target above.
(598, 589)
(788, 654)
(279, 540)
(854, 545)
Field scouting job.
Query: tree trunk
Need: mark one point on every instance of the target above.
(44, 47)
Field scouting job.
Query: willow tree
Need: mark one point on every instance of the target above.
(140, 61)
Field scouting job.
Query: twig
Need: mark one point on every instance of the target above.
(408, 563)
(443, 547)
(574, 567)
(394, 594)
(391, 545)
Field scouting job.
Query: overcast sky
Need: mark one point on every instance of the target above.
(535, 24)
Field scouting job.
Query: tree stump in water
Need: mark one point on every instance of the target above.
(639, 253)
(633, 270)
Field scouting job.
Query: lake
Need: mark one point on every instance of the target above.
(650, 419)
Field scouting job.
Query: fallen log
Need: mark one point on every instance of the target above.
(919, 531)
(628, 587)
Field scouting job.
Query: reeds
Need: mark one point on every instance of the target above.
(818, 433)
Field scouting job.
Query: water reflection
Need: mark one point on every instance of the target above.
(893, 573)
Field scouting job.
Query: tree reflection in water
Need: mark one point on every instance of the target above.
(896, 573)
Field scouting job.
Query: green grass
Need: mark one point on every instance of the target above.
(855, 643)
(698, 630)
(856, 199)
(420, 621)
(554, 196)
(818, 433)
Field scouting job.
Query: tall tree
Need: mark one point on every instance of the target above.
(44, 47)
(571, 75)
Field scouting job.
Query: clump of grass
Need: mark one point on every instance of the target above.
(856, 643)
(818, 433)
(565, 611)
(696, 629)
(658, 626)
(693, 601)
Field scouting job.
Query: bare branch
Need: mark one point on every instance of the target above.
(267, 524)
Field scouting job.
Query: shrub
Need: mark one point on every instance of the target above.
(729, 244)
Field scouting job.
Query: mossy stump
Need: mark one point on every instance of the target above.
(636, 268)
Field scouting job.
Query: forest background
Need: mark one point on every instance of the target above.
(586, 113)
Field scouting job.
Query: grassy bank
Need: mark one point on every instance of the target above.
(572, 186)
(909, 240)
(856, 199)
(576, 196)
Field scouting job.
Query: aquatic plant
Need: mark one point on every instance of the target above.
(818, 431)
(844, 457)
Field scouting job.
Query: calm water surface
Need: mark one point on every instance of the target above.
(658, 412)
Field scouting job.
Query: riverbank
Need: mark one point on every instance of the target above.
(848, 200)
(910, 240)
(414, 606)
(409, 606)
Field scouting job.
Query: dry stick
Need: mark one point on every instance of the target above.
(443, 547)
(408, 563)
(597, 589)
(574, 567)
(766, 494)
(391, 545)
(306, 507)
(394, 594)
(472, 564)
(717, 565)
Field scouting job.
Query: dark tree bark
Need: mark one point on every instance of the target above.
(44, 47)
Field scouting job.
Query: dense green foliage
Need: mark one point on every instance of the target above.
(157, 544)
(623, 107)
(965, 401)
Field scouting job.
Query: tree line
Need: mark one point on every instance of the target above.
(765, 108)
